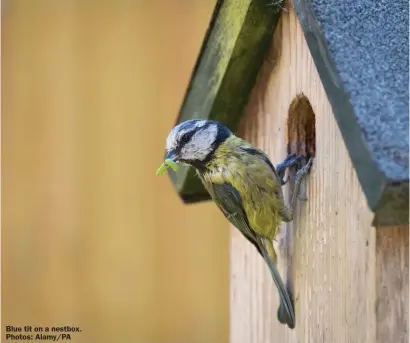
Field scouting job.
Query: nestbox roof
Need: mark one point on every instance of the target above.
(360, 50)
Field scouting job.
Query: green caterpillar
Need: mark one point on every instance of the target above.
(168, 163)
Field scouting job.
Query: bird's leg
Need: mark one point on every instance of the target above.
(302, 189)
(287, 212)
(289, 161)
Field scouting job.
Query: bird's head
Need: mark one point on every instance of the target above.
(194, 141)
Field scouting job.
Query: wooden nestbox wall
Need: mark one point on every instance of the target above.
(349, 278)
(346, 254)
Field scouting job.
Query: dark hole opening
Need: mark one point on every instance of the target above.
(301, 127)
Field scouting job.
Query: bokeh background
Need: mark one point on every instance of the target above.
(90, 236)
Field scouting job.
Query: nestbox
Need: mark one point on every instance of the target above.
(328, 79)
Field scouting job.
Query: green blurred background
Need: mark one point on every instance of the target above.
(90, 236)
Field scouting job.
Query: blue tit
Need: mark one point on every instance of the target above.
(244, 184)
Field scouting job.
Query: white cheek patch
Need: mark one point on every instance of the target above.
(200, 145)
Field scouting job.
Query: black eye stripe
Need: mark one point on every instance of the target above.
(187, 136)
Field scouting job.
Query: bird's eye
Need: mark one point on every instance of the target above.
(186, 137)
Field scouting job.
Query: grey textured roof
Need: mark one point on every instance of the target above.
(368, 41)
(361, 52)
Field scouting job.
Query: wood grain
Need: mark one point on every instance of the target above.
(330, 249)
(392, 284)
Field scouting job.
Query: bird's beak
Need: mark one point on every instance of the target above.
(169, 162)
(171, 156)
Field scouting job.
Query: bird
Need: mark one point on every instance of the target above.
(245, 186)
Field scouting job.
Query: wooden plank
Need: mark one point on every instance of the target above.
(328, 252)
(392, 284)
(225, 72)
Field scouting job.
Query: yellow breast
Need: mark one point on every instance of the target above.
(253, 179)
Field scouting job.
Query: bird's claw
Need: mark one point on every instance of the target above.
(301, 173)
(288, 162)
(303, 170)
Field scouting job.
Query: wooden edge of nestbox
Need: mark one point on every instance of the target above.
(388, 199)
(231, 55)
(393, 207)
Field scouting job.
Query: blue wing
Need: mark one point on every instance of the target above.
(229, 201)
